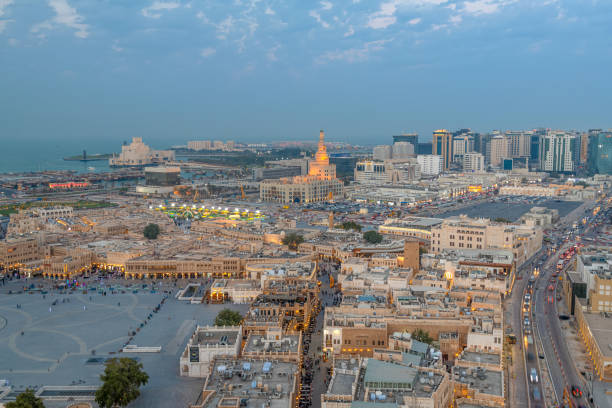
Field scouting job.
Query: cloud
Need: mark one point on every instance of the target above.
(326, 5)
(269, 11)
(480, 7)
(352, 55)
(271, 54)
(350, 32)
(314, 14)
(238, 27)
(155, 9)
(13, 42)
(3, 24)
(64, 15)
(115, 47)
(208, 52)
(384, 17)
(3, 5)
(456, 19)
(414, 21)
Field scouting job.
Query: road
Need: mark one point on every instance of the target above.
(529, 313)
(562, 369)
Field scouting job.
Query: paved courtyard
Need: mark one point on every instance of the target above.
(42, 343)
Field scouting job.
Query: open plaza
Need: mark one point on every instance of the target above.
(62, 339)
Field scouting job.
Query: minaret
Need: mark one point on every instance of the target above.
(321, 156)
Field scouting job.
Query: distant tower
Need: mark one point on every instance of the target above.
(320, 166)
(84, 154)
(412, 255)
(330, 220)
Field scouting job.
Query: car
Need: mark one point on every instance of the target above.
(576, 391)
(563, 317)
(536, 394)
(533, 376)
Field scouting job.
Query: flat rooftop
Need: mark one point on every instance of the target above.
(258, 343)
(216, 338)
(254, 383)
(484, 381)
(476, 357)
(342, 384)
(601, 327)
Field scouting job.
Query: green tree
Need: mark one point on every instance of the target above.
(423, 336)
(293, 240)
(228, 317)
(350, 225)
(26, 399)
(502, 220)
(121, 381)
(372, 237)
(151, 231)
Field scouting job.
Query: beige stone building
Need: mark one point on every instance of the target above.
(319, 185)
(20, 251)
(139, 154)
(469, 233)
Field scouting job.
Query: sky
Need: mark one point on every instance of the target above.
(265, 70)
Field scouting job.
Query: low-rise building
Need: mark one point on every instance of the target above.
(469, 233)
(139, 154)
(206, 344)
(431, 165)
(371, 382)
(20, 251)
(594, 328)
(272, 384)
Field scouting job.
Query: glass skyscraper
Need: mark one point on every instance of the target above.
(600, 153)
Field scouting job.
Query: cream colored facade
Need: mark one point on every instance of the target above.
(529, 190)
(473, 163)
(319, 185)
(498, 150)
(16, 252)
(468, 233)
(139, 154)
(600, 297)
(594, 329)
(73, 263)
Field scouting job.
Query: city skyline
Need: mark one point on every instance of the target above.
(172, 70)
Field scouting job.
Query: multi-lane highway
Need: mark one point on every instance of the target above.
(544, 351)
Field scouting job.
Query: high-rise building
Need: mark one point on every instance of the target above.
(442, 145)
(403, 150)
(382, 152)
(558, 151)
(480, 143)
(424, 148)
(497, 150)
(535, 144)
(600, 153)
(462, 144)
(387, 172)
(431, 165)
(519, 143)
(411, 138)
(473, 163)
(584, 147)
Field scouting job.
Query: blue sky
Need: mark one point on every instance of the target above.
(248, 70)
